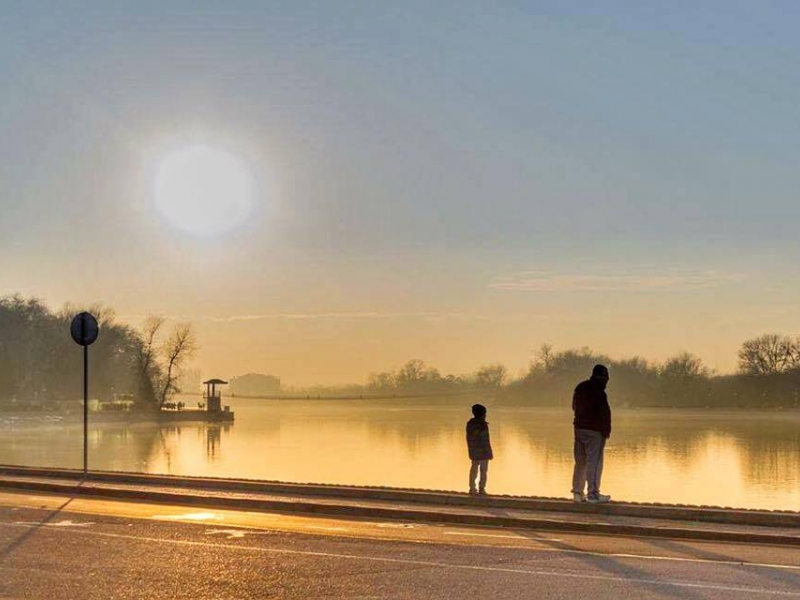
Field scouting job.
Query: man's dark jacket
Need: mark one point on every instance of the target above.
(478, 444)
(590, 404)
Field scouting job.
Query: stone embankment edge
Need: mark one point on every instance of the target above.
(86, 489)
(729, 516)
(403, 514)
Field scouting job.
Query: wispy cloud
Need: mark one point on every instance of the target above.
(437, 316)
(545, 281)
(315, 316)
(288, 316)
(342, 316)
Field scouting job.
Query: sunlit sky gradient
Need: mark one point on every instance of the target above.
(442, 180)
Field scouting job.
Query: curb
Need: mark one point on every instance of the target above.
(429, 516)
(719, 515)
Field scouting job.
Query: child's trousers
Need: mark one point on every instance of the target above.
(483, 466)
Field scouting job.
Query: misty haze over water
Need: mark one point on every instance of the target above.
(740, 458)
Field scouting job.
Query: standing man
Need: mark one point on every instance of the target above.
(592, 428)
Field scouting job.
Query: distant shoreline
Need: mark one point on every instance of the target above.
(52, 417)
(357, 396)
(49, 417)
(348, 396)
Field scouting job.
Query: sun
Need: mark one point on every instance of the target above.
(203, 190)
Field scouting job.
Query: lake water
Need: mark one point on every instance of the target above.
(741, 459)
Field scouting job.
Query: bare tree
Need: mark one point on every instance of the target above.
(150, 329)
(416, 375)
(794, 358)
(683, 380)
(491, 376)
(381, 381)
(543, 361)
(180, 345)
(545, 356)
(769, 354)
(684, 365)
(146, 359)
(104, 314)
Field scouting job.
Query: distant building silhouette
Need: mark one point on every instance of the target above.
(255, 384)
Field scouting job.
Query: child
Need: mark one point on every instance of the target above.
(480, 449)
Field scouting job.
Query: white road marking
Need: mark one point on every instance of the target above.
(713, 561)
(66, 523)
(232, 534)
(425, 563)
(645, 557)
(494, 535)
(396, 525)
(228, 533)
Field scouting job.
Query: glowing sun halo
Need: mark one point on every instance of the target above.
(203, 190)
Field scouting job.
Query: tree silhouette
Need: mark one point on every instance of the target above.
(769, 354)
(179, 346)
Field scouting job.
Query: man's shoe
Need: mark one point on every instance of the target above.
(578, 497)
(473, 492)
(598, 498)
(482, 493)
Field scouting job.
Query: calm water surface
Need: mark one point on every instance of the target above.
(743, 459)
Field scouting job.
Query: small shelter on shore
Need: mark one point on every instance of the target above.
(210, 411)
(212, 396)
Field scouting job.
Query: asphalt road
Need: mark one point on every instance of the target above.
(57, 547)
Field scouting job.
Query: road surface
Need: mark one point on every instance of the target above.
(58, 547)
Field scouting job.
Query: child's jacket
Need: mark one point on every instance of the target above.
(478, 444)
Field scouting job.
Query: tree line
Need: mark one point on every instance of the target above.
(41, 366)
(768, 377)
(416, 376)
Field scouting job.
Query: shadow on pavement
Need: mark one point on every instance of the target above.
(611, 565)
(773, 574)
(9, 548)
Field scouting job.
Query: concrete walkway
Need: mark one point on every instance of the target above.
(548, 514)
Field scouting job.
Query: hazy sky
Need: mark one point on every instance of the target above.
(440, 180)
